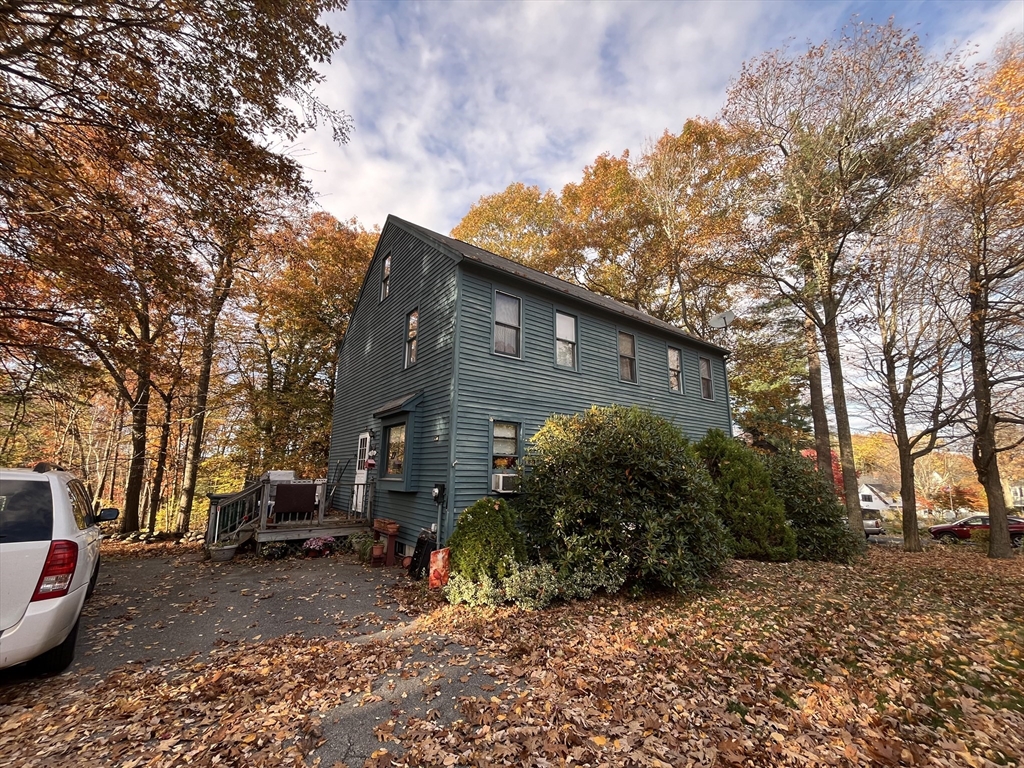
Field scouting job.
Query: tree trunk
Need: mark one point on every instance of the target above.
(908, 492)
(218, 296)
(117, 455)
(819, 417)
(107, 455)
(984, 451)
(830, 335)
(161, 462)
(137, 464)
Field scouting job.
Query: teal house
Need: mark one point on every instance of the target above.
(454, 357)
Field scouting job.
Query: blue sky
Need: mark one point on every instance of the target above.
(453, 100)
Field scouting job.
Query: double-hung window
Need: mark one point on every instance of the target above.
(627, 356)
(707, 389)
(505, 445)
(565, 340)
(411, 328)
(675, 369)
(385, 278)
(507, 324)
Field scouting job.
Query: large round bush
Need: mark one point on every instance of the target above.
(818, 520)
(619, 489)
(753, 515)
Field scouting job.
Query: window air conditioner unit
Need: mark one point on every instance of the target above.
(505, 483)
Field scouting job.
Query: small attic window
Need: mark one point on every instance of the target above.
(385, 278)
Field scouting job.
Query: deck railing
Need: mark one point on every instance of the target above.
(229, 515)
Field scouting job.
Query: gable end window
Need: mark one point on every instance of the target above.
(507, 324)
(627, 356)
(565, 340)
(385, 278)
(707, 389)
(675, 369)
(867, 498)
(412, 321)
(506, 445)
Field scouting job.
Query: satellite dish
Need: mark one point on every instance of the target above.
(723, 319)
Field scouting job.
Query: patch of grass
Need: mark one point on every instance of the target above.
(737, 709)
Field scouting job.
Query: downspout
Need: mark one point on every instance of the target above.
(453, 409)
(728, 398)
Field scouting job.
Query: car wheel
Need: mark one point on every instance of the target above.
(1016, 540)
(58, 659)
(949, 538)
(93, 580)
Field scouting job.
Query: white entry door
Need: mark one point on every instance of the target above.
(359, 485)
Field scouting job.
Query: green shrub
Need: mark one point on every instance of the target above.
(486, 541)
(981, 538)
(485, 593)
(754, 518)
(817, 518)
(620, 490)
(530, 587)
(362, 544)
(274, 550)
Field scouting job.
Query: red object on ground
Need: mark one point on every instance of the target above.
(439, 568)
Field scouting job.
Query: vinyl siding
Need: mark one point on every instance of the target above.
(371, 372)
(529, 389)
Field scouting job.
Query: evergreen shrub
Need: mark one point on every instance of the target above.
(531, 587)
(620, 492)
(754, 517)
(486, 541)
(812, 508)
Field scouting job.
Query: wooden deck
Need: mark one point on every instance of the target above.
(279, 511)
(307, 529)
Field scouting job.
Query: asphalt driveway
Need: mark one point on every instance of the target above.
(166, 612)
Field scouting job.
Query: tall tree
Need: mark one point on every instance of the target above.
(515, 223)
(186, 92)
(908, 339)
(982, 189)
(607, 238)
(110, 275)
(767, 385)
(843, 130)
(291, 311)
(688, 185)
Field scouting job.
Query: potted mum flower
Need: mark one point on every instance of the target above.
(318, 546)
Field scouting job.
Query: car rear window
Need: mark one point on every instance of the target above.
(26, 511)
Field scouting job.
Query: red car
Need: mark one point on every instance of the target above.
(951, 533)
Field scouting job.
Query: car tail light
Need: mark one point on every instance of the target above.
(58, 571)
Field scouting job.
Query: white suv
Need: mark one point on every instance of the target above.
(49, 564)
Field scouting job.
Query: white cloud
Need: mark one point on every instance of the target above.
(455, 100)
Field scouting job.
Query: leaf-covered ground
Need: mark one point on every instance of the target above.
(901, 659)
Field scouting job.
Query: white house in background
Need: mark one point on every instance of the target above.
(874, 500)
(1017, 494)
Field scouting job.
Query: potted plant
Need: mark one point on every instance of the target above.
(378, 549)
(318, 546)
(362, 545)
(222, 551)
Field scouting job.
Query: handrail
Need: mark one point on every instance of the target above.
(230, 515)
(235, 496)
